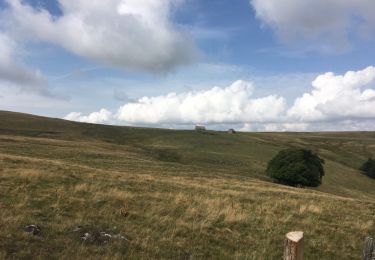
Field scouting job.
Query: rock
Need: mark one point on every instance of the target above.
(93, 235)
(33, 229)
(77, 228)
(118, 236)
(105, 235)
(85, 236)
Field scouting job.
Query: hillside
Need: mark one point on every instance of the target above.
(174, 194)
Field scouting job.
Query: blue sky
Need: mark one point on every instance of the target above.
(86, 62)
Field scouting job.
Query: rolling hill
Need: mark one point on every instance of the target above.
(172, 194)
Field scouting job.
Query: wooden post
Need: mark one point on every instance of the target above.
(369, 249)
(293, 246)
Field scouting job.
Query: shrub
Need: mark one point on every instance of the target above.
(296, 167)
(368, 168)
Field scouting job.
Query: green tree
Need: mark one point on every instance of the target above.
(296, 167)
(368, 168)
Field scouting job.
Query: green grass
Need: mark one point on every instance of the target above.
(185, 193)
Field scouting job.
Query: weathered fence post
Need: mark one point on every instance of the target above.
(293, 246)
(369, 249)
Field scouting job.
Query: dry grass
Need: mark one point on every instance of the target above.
(171, 209)
(170, 216)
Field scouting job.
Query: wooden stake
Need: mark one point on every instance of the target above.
(293, 246)
(369, 249)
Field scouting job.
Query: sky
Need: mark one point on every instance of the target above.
(252, 65)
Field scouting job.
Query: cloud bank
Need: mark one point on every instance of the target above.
(328, 23)
(216, 105)
(128, 34)
(337, 97)
(103, 116)
(336, 102)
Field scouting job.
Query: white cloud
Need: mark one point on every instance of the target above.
(130, 34)
(337, 97)
(274, 127)
(327, 23)
(336, 102)
(103, 116)
(14, 73)
(216, 105)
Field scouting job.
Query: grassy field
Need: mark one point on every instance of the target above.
(168, 194)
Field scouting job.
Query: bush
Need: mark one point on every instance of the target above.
(368, 168)
(296, 167)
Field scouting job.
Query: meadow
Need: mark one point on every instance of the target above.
(168, 194)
